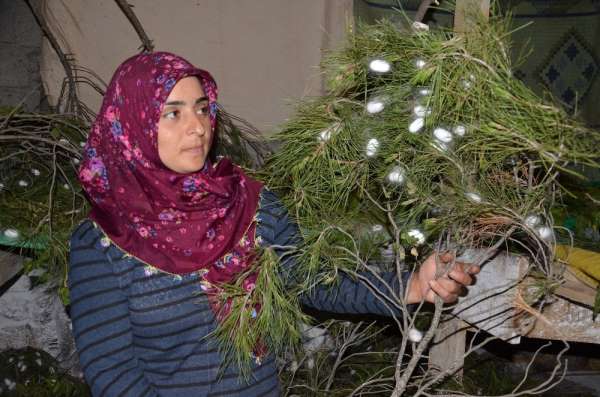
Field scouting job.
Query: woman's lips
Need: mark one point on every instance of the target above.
(193, 150)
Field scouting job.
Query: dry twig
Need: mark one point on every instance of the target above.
(147, 44)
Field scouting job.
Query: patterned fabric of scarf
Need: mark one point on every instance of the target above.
(179, 223)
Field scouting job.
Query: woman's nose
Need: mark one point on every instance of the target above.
(195, 126)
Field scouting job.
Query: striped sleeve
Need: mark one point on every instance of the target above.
(348, 296)
(100, 317)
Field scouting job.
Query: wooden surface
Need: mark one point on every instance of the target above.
(490, 302)
(563, 319)
(10, 265)
(488, 306)
(575, 290)
(494, 304)
(448, 347)
(468, 11)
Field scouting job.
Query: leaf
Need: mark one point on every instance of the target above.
(63, 293)
(410, 201)
(55, 133)
(423, 76)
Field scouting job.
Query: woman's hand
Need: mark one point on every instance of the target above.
(424, 286)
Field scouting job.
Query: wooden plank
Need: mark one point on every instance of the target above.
(575, 290)
(10, 265)
(448, 346)
(467, 12)
(566, 320)
(490, 302)
(493, 304)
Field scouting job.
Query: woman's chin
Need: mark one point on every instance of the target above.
(189, 167)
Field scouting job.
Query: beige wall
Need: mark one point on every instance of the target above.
(264, 54)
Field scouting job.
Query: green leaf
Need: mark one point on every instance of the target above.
(423, 76)
(55, 133)
(63, 293)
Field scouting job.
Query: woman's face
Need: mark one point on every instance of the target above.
(184, 132)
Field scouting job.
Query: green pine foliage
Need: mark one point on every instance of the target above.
(30, 372)
(335, 169)
(266, 317)
(40, 198)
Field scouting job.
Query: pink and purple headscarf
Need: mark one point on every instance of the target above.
(179, 223)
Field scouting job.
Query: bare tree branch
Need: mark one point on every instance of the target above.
(147, 44)
(422, 10)
(73, 104)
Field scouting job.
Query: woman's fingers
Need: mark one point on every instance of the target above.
(467, 267)
(448, 293)
(459, 275)
(472, 269)
(451, 286)
(461, 272)
(446, 257)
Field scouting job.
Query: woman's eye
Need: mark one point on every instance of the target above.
(203, 110)
(172, 115)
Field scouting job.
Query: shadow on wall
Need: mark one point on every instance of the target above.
(20, 51)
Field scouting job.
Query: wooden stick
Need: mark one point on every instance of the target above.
(10, 265)
(422, 10)
(467, 13)
(73, 104)
(147, 44)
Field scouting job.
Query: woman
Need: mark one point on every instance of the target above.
(167, 226)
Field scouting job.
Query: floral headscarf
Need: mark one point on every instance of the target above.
(178, 223)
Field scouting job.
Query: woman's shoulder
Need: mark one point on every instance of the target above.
(270, 202)
(88, 236)
(275, 226)
(91, 252)
(271, 212)
(85, 232)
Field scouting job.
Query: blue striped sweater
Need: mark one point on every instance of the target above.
(143, 332)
